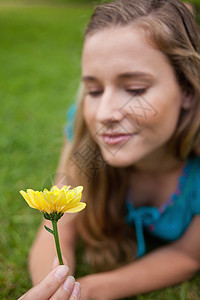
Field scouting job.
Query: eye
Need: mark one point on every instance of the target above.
(95, 93)
(136, 92)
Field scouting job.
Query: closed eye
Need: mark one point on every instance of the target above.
(95, 93)
(136, 92)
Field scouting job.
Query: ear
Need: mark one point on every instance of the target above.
(187, 100)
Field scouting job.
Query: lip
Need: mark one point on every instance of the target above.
(113, 139)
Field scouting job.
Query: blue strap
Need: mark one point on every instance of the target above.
(139, 217)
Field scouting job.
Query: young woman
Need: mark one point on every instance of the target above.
(135, 149)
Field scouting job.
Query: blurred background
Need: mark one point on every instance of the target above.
(40, 50)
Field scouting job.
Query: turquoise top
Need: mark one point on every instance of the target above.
(171, 220)
(69, 128)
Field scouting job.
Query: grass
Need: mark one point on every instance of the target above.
(39, 75)
(40, 50)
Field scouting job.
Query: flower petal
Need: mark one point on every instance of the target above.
(80, 206)
(56, 200)
(28, 199)
(31, 194)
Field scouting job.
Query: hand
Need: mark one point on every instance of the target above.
(56, 285)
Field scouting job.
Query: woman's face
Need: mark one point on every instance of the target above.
(132, 99)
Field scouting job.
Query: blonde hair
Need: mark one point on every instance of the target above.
(171, 28)
(190, 7)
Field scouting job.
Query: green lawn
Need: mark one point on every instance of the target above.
(39, 74)
(40, 51)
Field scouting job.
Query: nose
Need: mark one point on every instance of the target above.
(110, 107)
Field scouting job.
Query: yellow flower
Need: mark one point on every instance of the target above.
(53, 204)
(56, 200)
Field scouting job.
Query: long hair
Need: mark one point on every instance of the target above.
(171, 28)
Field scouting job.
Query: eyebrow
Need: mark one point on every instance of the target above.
(127, 75)
(136, 75)
(89, 78)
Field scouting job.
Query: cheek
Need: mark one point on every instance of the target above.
(89, 115)
(155, 116)
(164, 123)
(141, 112)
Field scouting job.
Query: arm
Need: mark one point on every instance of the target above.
(166, 266)
(43, 251)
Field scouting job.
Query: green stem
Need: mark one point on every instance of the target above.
(55, 233)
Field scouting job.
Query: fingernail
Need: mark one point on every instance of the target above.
(68, 284)
(76, 290)
(61, 272)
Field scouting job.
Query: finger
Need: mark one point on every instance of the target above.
(76, 292)
(49, 285)
(65, 289)
(22, 297)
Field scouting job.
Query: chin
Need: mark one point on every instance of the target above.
(117, 160)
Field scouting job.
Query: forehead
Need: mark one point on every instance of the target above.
(119, 49)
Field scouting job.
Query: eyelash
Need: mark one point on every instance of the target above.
(95, 93)
(133, 92)
(138, 92)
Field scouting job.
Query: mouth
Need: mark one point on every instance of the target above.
(114, 139)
